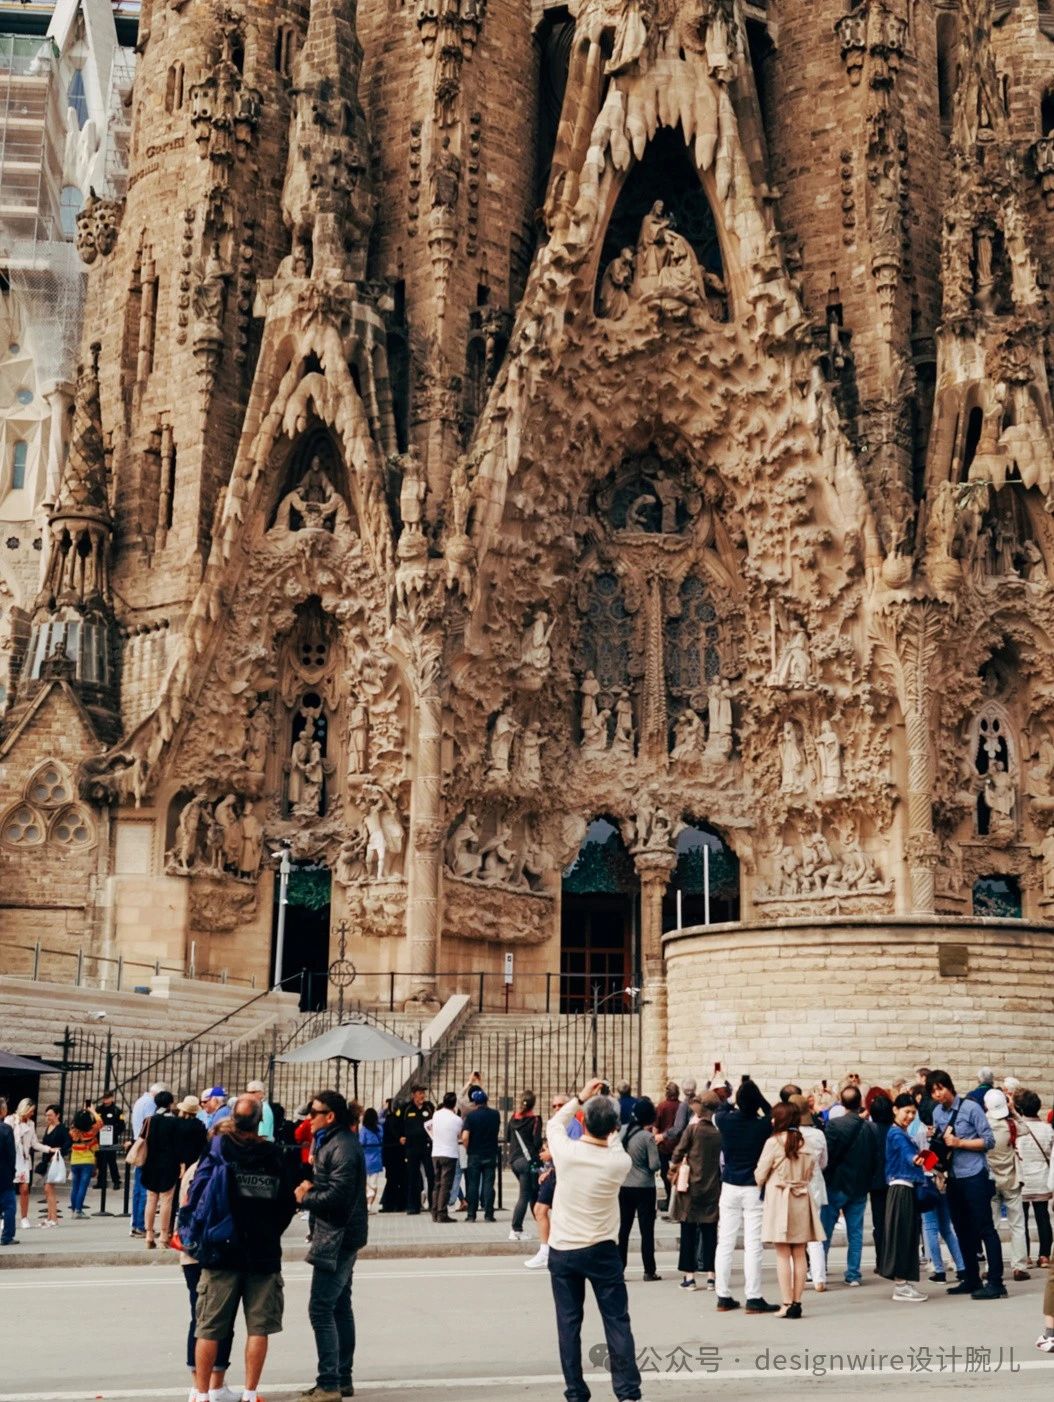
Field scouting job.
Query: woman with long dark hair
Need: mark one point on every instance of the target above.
(393, 1199)
(637, 1196)
(905, 1180)
(789, 1219)
(524, 1138)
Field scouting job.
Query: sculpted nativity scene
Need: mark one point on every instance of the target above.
(537, 462)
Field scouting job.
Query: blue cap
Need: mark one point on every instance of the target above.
(478, 1095)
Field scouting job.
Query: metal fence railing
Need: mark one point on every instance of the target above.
(82, 969)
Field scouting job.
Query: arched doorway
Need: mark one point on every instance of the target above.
(306, 945)
(720, 869)
(599, 920)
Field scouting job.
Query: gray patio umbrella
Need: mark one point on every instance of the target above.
(354, 1041)
(9, 1061)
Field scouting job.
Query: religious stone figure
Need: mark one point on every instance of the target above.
(188, 834)
(210, 297)
(1001, 798)
(595, 732)
(531, 747)
(317, 504)
(829, 750)
(499, 857)
(351, 860)
(719, 710)
(859, 872)
(413, 491)
(622, 740)
(688, 735)
(251, 843)
(615, 285)
(1041, 772)
(462, 854)
(384, 834)
(536, 654)
(794, 665)
(446, 178)
(306, 773)
(1033, 566)
(259, 738)
(1045, 851)
(358, 737)
(792, 760)
(506, 728)
(229, 824)
(818, 864)
(667, 271)
(590, 690)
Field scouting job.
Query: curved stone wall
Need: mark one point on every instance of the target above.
(815, 998)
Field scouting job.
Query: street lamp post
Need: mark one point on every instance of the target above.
(285, 866)
(599, 1002)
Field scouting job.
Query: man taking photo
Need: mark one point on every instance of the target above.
(583, 1240)
(962, 1137)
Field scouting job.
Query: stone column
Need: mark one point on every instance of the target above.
(59, 400)
(422, 638)
(654, 869)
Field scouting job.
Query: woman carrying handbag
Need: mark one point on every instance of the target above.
(524, 1138)
(695, 1173)
(57, 1140)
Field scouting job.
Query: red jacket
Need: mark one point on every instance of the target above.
(302, 1136)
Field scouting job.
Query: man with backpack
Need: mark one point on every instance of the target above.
(336, 1200)
(852, 1157)
(240, 1203)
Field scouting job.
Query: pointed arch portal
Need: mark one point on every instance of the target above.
(599, 921)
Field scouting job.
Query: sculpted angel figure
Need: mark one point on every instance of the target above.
(306, 773)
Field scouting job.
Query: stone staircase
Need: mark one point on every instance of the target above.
(515, 1052)
(33, 1015)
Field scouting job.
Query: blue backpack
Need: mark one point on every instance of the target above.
(206, 1224)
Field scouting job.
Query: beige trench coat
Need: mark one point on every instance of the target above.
(789, 1212)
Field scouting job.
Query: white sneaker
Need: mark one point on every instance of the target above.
(1045, 1343)
(26, 1224)
(224, 1394)
(539, 1260)
(515, 1236)
(908, 1293)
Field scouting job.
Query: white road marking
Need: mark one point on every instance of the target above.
(144, 1275)
(602, 1380)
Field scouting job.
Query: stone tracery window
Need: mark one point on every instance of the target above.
(49, 787)
(606, 633)
(24, 827)
(72, 828)
(693, 661)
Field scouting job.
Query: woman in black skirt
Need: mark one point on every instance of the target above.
(899, 1259)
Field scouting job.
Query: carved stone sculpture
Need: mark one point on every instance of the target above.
(314, 505)
(188, 834)
(792, 760)
(506, 728)
(689, 736)
(531, 746)
(358, 738)
(829, 751)
(251, 843)
(1045, 852)
(231, 827)
(1001, 797)
(498, 855)
(384, 836)
(616, 285)
(259, 738)
(794, 667)
(720, 739)
(536, 655)
(463, 856)
(306, 774)
(622, 742)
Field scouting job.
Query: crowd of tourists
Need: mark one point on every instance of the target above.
(219, 1180)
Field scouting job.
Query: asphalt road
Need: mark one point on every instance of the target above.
(483, 1328)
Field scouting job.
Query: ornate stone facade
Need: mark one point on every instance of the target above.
(434, 533)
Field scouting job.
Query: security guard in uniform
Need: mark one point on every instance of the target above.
(417, 1145)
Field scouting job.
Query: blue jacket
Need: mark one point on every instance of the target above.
(900, 1157)
(371, 1147)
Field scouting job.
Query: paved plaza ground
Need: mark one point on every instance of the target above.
(476, 1323)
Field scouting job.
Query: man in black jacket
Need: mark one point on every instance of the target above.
(7, 1185)
(412, 1118)
(249, 1268)
(852, 1154)
(337, 1203)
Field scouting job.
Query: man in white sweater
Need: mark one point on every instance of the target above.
(583, 1240)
